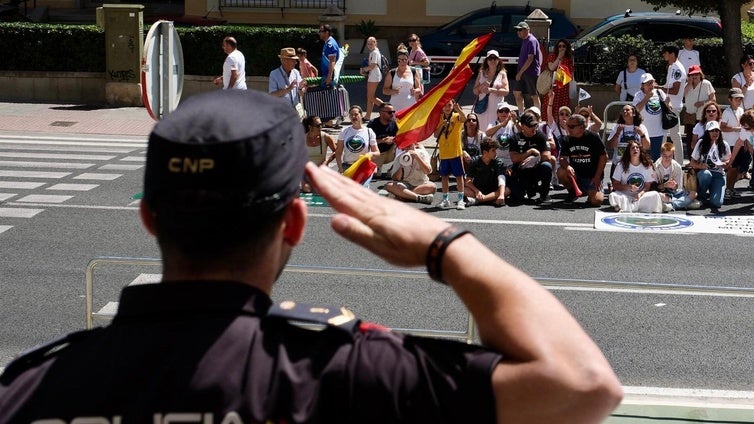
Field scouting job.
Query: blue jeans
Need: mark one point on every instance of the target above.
(655, 145)
(712, 182)
(680, 199)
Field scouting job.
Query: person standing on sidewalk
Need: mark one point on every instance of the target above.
(234, 67)
(450, 147)
(285, 81)
(674, 85)
(330, 53)
(529, 63)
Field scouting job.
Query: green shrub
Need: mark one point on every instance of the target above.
(81, 48)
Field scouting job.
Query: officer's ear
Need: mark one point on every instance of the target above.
(147, 217)
(294, 222)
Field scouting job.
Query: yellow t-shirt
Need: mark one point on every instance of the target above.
(449, 141)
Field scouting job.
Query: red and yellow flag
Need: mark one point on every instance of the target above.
(418, 122)
(562, 76)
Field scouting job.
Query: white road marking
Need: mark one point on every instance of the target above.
(97, 176)
(73, 187)
(491, 221)
(62, 165)
(672, 395)
(75, 141)
(20, 185)
(68, 149)
(6, 196)
(44, 198)
(95, 207)
(4, 228)
(54, 156)
(19, 212)
(120, 167)
(134, 159)
(33, 174)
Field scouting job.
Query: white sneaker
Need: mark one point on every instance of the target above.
(694, 205)
(425, 198)
(471, 201)
(445, 203)
(667, 207)
(460, 205)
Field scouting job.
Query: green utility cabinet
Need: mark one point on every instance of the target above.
(124, 38)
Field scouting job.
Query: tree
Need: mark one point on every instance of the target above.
(730, 19)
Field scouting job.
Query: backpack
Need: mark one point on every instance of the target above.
(384, 64)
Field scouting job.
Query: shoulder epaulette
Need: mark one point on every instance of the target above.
(41, 353)
(338, 317)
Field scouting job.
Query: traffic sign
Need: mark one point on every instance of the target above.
(162, 70)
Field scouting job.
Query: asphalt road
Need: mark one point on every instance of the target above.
(657, 339)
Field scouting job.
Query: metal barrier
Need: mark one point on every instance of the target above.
(605, 120)
(107, 312)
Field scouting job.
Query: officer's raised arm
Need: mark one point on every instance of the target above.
(552, 371)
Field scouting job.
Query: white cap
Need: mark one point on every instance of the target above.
(535, 110)
(493, 53)
(646, 78)
(711, 125)
(505, 105)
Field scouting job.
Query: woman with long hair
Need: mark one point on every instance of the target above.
(710, 112)
(374, 75)
(632, 182)
(628, 127)
(560, 58)
(317, 143)
(745, 80)
(417, 58)
(403, 83)
(710, 158)
(492, 82)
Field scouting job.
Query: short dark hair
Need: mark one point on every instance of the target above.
(670, 48)
(488, 143)
(326, 28)
(231, 42)
(301, 50)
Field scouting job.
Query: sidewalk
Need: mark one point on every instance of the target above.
(74, 119)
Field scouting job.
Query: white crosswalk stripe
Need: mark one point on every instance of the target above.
(38, 173)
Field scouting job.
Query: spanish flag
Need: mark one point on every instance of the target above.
(418, 122)
(562, 76)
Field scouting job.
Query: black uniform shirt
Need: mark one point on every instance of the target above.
(211, 351)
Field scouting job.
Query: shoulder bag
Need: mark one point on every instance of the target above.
(629, 96)
(545, 80)
(480, 106)
(669, 118)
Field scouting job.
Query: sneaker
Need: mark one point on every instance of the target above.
(427, 199)
(728, 194)
(558, 187)
(460, 205)
(545, 199)
(445, 203)
(570, 198)
(734, 193)
(694, 205)
(667, 207)
(471, 201)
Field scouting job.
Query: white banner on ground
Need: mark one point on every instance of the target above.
(674, 223)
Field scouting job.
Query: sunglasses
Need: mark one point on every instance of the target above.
(750, 63)
(412, 40)
(503, 111)
(317, 125)
(561, 46)
(470, 120)
(711, 111)
(388, 111)
(564, 114)
(402, 59)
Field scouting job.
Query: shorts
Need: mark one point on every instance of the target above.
(375, 75)
(385, 157)
(452, 166)
(403, 184)
(585, 185)
(526, 85)
(742, 161)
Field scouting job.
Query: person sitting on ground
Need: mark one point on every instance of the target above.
(593, 122)
(582, 161)
(670, 182)
(409, 173)
(628, 127)
(502, 130)
(208, 344)
(710, 158)
(730, 123)
(317, 143)
(385, 129)
(547, 130)
(741, 154)
(530, 154)
(486, 177)
(354, 141)
(471, 136)
(632, 182)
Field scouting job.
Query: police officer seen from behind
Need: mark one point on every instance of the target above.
(207, 344)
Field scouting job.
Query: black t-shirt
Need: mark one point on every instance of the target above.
(520, 143)
(215, 351)
(484, 176)
(382, 131)
(583, 153)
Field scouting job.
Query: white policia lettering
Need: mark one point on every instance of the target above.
(169, 418)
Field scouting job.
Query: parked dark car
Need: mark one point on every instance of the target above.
(653, 26)
(450, 39)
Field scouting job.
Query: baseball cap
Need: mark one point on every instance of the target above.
(695, 69)
(535, 110)
(505, 105)
(493, 53)
(711, 125)
(646, 78)
(528, 119)
(735, 92)
(522, 25)
(242, 147)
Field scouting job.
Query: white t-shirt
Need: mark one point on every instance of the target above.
(356, 142)
(503, 136)
(732, 119)
(628, 134)
(712, 158)
(637, 175)
(235, 62)
(375, 75)
(633, 81)
(413, 173)
(652, 113)
(688, 57)
(748, 90)
(676, 73)
(700, 93)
